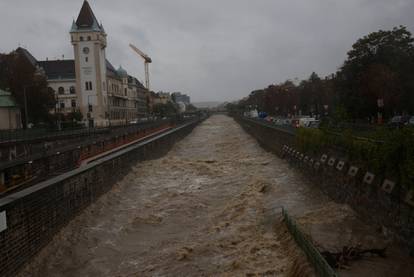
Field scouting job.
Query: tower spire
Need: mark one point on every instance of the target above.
(86, 18)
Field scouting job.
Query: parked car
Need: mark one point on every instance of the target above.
(314, 124)
(278, 121)
(304, 122)
(411, 121)
(398, 121)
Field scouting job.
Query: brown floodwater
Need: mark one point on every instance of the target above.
(210, 208)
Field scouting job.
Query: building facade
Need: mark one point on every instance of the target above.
(89, 83)
(178, 97)
(10, 116)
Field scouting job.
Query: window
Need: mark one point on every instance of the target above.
(73, 103)
(89, 37)
(88, 85)
(86, 59)
(81, 38)
(62, 105)
(126, 92)
(72, 90)
(61, 90)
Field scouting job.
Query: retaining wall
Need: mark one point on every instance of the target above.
(30, 218)
(379, 200)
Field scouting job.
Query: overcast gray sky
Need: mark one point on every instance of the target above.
(215, 50)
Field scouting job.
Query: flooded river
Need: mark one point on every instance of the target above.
(208, 208)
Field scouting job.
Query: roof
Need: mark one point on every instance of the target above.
(122, 72)
(134, 81)
(111, 71)
(6, 99)
(27, 55)
(59, 69)
(65, 69)
(86, 20)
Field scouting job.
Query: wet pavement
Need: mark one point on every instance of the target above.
(210, 208)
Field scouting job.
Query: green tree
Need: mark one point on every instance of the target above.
(379, 65)
(168, 109)
(18, 75)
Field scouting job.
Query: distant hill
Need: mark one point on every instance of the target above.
(211, 104)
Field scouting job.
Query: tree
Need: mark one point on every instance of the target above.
(17, 74)
(191, 108)
(378, 65)
(167, 109)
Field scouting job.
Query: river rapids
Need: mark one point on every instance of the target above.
(210, 207)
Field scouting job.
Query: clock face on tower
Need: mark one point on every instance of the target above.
(86, 50)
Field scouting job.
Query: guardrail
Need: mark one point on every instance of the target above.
(10, 136)
(13, 136)
(41, 210)
(284, 128)
(292, 130)
(322, 268)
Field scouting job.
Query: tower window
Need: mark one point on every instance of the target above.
(61, 90)
(88, 85)
(72, 90)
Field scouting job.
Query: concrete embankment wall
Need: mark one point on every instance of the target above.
(30, 218)
(380, 201)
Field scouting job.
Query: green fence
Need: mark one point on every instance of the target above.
(322, 268)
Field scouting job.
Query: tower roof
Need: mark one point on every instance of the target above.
(86, 20)
(122, 72)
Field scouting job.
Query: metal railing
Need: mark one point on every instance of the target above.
(322, 268)
(34, 134)
(284, 128)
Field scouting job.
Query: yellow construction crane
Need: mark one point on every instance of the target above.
(147, 60)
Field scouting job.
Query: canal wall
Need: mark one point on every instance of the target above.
(380, 201)
(30, 218)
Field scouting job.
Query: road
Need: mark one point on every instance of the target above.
(208, 208)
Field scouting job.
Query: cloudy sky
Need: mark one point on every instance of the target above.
(215, 50)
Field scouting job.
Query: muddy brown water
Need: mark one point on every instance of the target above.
(210, 208)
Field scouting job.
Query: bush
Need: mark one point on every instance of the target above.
(394, 157)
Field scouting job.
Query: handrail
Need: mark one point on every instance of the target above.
(322, 268)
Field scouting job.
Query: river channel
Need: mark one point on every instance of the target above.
(210, 207)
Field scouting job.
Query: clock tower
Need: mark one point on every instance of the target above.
(88, 38)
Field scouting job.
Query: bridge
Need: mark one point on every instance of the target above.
(198, 198)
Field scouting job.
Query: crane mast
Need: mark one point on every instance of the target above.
(147, 61)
